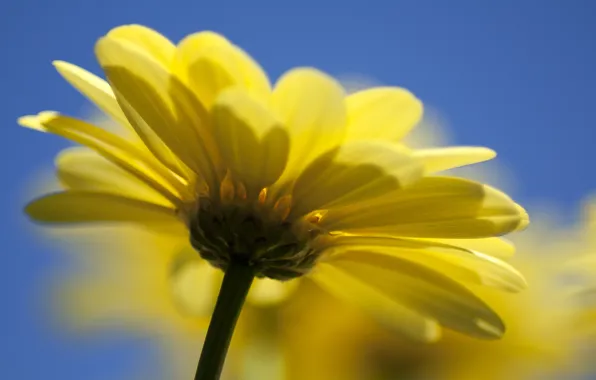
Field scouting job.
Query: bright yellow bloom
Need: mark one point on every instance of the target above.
(295, 179)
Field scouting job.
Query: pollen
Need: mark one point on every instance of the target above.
(315, 217)
(283, 207)
(227, 189)
(263, 196)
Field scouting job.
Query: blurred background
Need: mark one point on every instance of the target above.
(518, 77)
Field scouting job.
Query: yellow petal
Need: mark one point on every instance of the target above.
(434, 207)
(252, 142)
(498, 273)
(34, 121)
(193, 46)
(209, 74)
(457, 263)
(209, 63)
(439, 159)
(152, 42)
(84, 170)
(94, 88)
(424, 290)
(354, 172)
(310, 104)
(382, 307)
(386, 113)
(81, 206)
(496, 247)
(159, 107)
(115, 149)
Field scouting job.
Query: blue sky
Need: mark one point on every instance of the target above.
(516, 76)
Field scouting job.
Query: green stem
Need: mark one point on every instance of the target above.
(234, 288)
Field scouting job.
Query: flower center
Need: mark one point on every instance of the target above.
(252, 233)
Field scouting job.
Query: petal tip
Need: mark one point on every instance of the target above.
(34, 212)
(59, 63)
(65, 68)
(492, 331)
(489, 153)
(36, 121)
(29, 121)
(204, 38)
(124, 29)
(104, 45)
(310, 73)
(524, 218)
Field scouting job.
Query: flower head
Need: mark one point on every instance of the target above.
(293, 179)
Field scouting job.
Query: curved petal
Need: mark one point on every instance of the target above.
(113, 148)
(493, 246)
(159, 107)
(95, 89)
(458, 263)
(434, 207)
(82, 206)
(252, 142)
(354, 172)
(310, 105)
(151, 41)
(496, 247)
(82, 169)
(193, 46)
(209, 63)
(424, 290)
(386, 113)
(382, 307)
(439, 159)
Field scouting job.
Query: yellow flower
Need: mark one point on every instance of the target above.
(295, 179)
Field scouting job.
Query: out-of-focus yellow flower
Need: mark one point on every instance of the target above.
(542, 338)
(585, 267)
(292, 180)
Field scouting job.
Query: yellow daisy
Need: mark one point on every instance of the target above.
(284, 181)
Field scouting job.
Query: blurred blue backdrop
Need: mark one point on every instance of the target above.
(516, 76)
